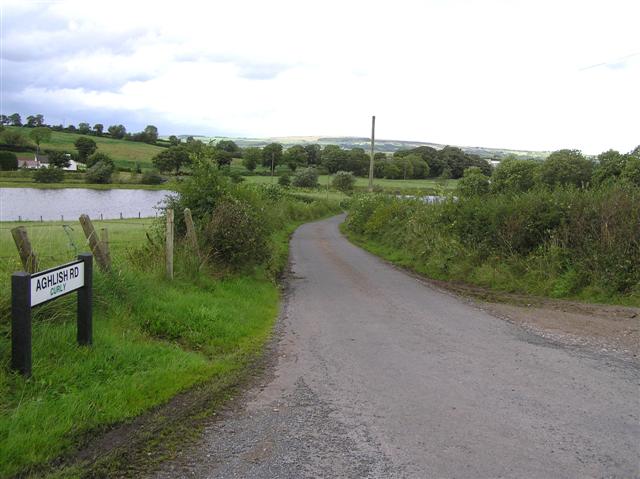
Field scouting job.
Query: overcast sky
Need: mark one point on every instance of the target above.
(530, 74)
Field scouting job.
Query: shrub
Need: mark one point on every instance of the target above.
(306, 178)
(86, 147)
(236, 177)
(272, 192)
(344, 181)
(631, 171)
(100, 172)
(48, 175)
(473, 183)
(563, 242)
(566, 167)
(284, 180)
(152, 178)
(98, 156)
(8, 161)
(514, 176)
(236, 235)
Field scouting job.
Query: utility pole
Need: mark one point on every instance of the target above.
(373, 140)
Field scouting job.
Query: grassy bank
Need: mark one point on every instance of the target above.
(120, 180)
(89, 186)
(124, 153)
(567, 243)
(153, 338)
(387, 185)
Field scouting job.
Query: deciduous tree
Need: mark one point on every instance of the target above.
(295, 156)
(272, 155)
(566, 167)
(473, 183)
(251, 157)
(514, 176)
(86, 147)
(15, 119)
(172, 159)
(40, 134)
(117, 131)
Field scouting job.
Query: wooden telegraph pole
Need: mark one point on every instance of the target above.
(373, 140)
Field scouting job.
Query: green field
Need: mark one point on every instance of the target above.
(125, 153)
(120, 180)
(400, 185)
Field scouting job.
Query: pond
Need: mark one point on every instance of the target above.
(34, 204)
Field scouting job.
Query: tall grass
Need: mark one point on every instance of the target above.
(152, 338)
(563, 243)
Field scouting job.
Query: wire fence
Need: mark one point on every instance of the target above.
(58, 242)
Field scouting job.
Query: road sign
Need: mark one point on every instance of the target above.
(29, 290)
(56, 282)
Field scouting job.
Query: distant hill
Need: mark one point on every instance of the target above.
(124, 153)
(387, 146)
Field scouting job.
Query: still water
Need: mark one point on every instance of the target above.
(29, 204)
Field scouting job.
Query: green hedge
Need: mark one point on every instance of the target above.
(566, 242)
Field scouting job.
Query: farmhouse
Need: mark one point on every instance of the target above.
(42, 161)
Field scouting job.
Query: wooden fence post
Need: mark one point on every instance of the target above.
(27, 255)
(192, 239)
(94, 243)
(169, 244)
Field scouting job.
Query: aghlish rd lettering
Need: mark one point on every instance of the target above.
(56, 280)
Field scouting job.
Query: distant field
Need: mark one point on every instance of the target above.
(386, 184)
(124, 153)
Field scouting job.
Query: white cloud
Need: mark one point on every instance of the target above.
(490, 73)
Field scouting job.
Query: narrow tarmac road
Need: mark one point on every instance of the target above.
(379, 375)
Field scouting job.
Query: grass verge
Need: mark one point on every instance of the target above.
(498, 282)
(153, 339)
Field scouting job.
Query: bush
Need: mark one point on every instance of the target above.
(631, 171)
(8, 161)
(152, 178)
(96, 157)
(344, 181)
(566, 167)
(473, 183)
(284, 180)
(100, 172)
(306, 178)
(236, 236)
(86, 147)
(514, 176)
(562, 242)
(48, 175)
(236, 177)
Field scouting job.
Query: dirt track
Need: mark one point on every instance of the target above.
(379, 374)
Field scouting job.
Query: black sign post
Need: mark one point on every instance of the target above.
(21, 323)
(46, 286)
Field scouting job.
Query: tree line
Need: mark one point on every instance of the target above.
(118, 132)
(562, 168)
